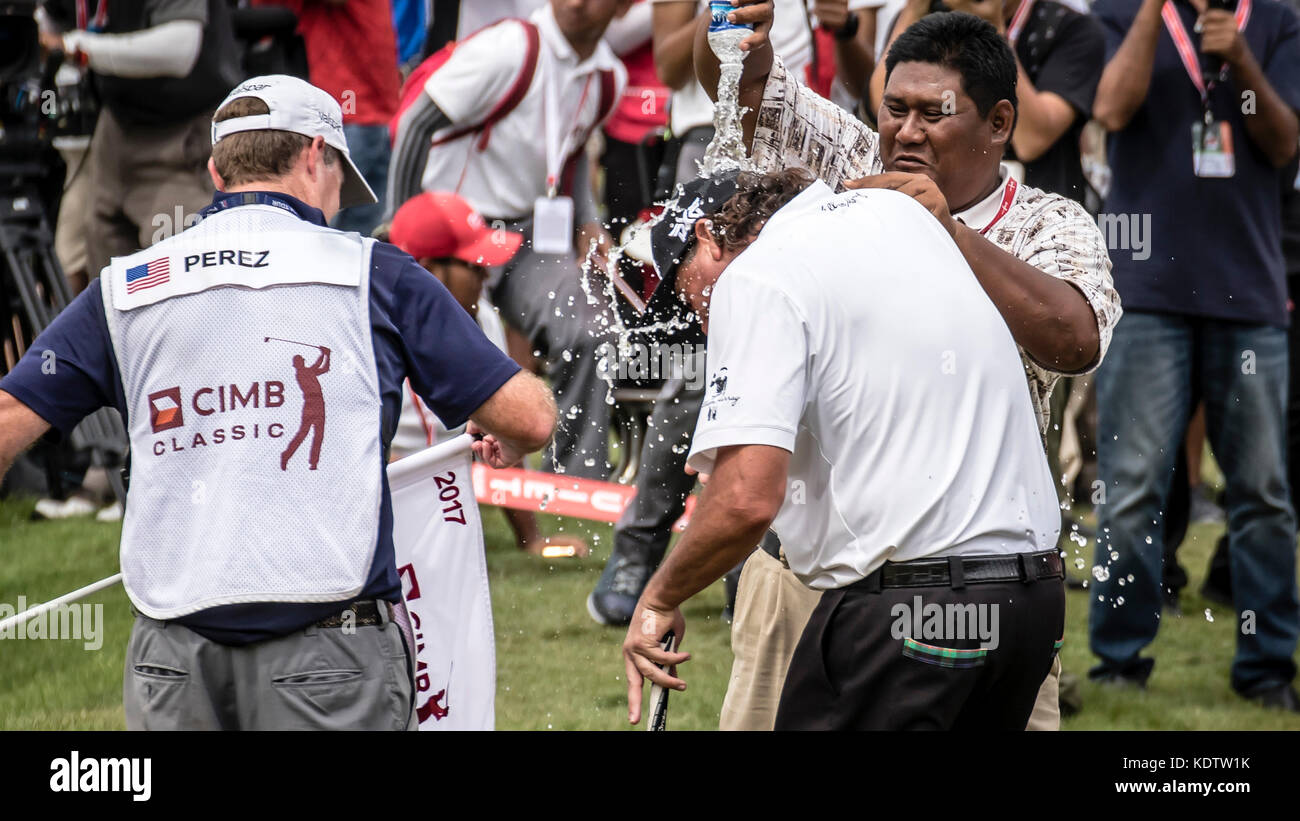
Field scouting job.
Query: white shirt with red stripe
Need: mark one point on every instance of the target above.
(507, 177)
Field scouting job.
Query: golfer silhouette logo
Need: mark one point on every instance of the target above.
(313, 403)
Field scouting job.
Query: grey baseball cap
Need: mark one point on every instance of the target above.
(298, 106)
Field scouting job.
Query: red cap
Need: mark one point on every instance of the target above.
(439, 224)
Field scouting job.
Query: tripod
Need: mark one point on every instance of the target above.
(32, 292)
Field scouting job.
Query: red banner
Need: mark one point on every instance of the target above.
(558, 494)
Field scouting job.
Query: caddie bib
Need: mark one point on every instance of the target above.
(253, 404)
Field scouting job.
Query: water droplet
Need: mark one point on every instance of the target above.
(1147, 540)
(1079, 563)
(1119, 600)
(1100, 573)
(1208, 615)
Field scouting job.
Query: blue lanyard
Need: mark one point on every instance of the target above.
(248, 198)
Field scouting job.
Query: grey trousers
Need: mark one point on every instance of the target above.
(314, 679)
(662, 484)
(541, 296)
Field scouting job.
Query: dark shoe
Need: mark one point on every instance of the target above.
(614, 600)
(1132, 675)
(1275, 696)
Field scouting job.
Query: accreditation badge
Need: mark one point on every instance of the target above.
(1212, 149)
(553, 225)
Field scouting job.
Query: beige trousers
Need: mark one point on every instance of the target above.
(147, 183)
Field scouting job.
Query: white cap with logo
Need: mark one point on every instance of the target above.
(302, 108)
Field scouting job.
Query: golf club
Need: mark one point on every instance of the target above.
(290, 341)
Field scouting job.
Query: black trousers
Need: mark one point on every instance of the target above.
(852, 670)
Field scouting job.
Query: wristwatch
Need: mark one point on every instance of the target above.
(849, 29)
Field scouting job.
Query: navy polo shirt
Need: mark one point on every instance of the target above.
(1215, 244)
(419, 331)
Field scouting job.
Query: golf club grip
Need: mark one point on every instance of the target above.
(659, 695)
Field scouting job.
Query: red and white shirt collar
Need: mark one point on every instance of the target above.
(986, 213)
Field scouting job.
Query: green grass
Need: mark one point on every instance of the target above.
(556, 669)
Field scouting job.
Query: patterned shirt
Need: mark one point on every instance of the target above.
(799, 128)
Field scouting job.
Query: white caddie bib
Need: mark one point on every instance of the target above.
(253, 404)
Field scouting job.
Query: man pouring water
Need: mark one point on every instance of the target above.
(948, 112)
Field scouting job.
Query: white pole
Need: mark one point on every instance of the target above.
(33, 612)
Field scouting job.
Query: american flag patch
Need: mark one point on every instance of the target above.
(148, 275)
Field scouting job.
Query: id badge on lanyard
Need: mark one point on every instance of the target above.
(553, 213)
(1212, 150)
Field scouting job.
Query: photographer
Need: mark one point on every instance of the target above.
(160, 68)
(1201, 102)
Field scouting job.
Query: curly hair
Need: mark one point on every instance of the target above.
(758, 198)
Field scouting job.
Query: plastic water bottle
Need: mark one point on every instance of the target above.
(725, 36)
(727, 149)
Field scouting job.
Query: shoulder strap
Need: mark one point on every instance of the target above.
(607, 97)
(608, 100)
(514, 95)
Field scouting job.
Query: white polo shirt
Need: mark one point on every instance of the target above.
(853, 334)
(505, 179)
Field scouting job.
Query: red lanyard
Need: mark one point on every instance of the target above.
(1018, 21)
(1183, 42)
(1008, 197)
(101, 16)
(556, 153)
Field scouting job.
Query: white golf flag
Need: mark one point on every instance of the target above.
(438, 538)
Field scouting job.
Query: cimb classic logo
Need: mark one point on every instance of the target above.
(128, 775)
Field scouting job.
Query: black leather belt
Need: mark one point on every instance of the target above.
(364, 614)
(959, 571)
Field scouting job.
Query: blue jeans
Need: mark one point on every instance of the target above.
(1156, 365)
(368, 145)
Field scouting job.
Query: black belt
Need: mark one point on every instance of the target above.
(959, 571)
(365, 613)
